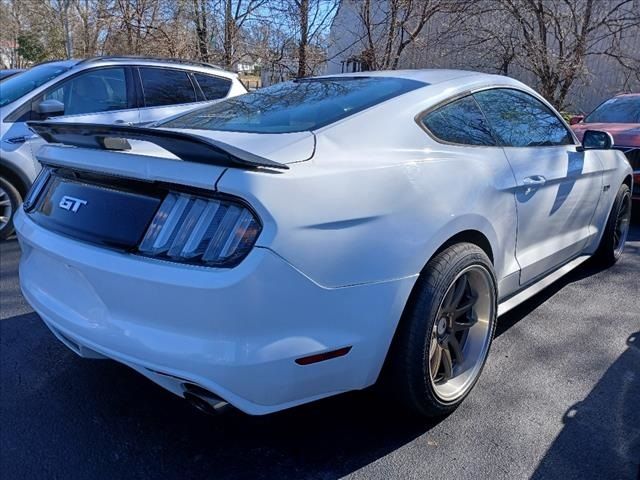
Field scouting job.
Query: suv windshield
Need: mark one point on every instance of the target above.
(617, 110)
(19, 85)
(295, 106)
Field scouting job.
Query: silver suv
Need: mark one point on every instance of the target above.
(114, 90)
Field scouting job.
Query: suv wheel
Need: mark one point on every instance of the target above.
(10, 200)
(445, 335)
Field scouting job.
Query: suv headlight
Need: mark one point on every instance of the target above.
(199, 230)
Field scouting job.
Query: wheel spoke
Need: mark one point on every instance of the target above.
(5, 203)
(454, 347)
(447, 302)
(450, 305)
(459, 326)
(434, 361)
(447, 365)
(466, 308)
(460, 289)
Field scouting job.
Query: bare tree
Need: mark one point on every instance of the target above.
(200, 13)
(390, 27)
(552, 39)
(305, 24)
(136, 21)
(236, 15)
(94, 21)
(303, 44)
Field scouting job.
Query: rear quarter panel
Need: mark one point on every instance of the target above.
(379, 198)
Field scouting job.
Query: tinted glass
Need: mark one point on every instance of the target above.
(213, 87)
(102, 90)
(19, 85)
(163, 86)
(460, 121)
(617, 110)
(520, 120)
(295, 106)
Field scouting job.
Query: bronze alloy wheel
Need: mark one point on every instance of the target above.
(461, 334)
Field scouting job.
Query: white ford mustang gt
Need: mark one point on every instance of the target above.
(312, 237)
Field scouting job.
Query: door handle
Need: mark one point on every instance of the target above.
(123, 122)
(534, 181)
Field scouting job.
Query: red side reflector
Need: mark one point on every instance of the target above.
(321, 357)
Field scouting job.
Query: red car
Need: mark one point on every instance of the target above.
(620, 116)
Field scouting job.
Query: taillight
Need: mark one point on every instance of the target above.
(36, 188)
(194, 229)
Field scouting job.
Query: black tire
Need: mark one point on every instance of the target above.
(408, 373)
(8, 193)
(609, 250)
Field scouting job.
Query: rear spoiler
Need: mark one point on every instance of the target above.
(185, 146)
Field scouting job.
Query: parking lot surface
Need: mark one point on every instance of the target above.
(559, 398)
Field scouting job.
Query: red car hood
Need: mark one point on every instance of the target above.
(624, 134)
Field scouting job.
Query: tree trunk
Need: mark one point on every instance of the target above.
(200, 11)
(68, 45)
(303, 5)
(229, 31)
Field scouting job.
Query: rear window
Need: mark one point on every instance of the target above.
(163, 86)
(213, 87)
(295, 106)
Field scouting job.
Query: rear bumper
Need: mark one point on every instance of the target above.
(235, 332)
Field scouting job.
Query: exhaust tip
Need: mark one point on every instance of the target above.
(199, 404)
(204, 400)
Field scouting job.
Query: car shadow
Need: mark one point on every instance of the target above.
(600, 437)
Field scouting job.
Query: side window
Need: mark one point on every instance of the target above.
(213, 87)
(163, 86)
(460, 121)
(102, 90)
(520, 120)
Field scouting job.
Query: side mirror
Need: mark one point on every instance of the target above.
(576, 119)
(50, 108)
(597, 140)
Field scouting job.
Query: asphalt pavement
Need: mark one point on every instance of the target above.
(559, 398)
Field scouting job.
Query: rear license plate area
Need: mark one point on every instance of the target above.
(93, 212)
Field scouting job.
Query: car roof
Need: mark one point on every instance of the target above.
(627, 95)
(155, 61)
(62, 63)
(428, 76)
(140, 60)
